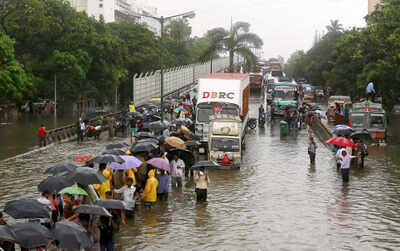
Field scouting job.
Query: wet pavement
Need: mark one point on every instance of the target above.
(276, 201)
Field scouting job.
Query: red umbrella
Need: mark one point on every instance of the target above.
(83, 158)
(341, 141)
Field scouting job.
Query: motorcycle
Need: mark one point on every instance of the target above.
(93, 131)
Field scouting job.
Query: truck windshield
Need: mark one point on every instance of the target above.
(357, 120)
(377, 120)
(225, 144)
(203, 114)
(285, 95)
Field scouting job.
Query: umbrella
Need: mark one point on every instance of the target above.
(83, 158)
(341, 127)
(205, 164)
(6, 234)
(175, 142)
(187, 103)
(61, 168)
(186, 155)
(160, 163)
(130, 162)
(136, 115)
(117, 152)
(178, 109)
(107, 158)
(26, 209)
(144, 135)
(72, 235)
(363, 135)
(116, 145)
(74, 190)
(153, 141)
(112, 204)
(143, 147)
(87, 176)
(161, 139)
(185, 121)
(340, 141)
(192, 143)
(31, 234)
(157, 125)
(92, 210)
(53, 184)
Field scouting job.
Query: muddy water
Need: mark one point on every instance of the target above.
(276, 201)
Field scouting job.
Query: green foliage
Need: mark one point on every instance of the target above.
(14, 83)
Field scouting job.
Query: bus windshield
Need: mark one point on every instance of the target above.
(377, 120)
(225, 144)
(203, 114)
(284, 95)
(357, 120)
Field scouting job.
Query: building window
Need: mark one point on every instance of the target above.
(101, 5)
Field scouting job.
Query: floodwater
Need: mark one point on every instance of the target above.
(22, 136)
(276, 201)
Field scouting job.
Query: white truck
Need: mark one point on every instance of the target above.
(221, 93)
(225, 140)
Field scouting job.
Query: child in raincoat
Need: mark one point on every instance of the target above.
(149, 195)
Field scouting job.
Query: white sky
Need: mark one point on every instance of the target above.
(284, 25)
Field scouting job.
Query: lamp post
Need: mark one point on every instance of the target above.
(162, 20)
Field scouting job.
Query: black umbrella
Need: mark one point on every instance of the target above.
(112, 204)
(192, 143)
(72, 235)
(161, 139)
(205, 164)
(363, 135)
(87, 176)
(117, 152)
(152, 141)
(54, 184)
(343, 132)
(26, 209)
(157, 125)
(136, 115)
(31, 234)
(7, 234)
(61, 168)
(144, 135)
(116, 145)
(92, 209)
(143, 147)
(107, 158)
(185, 155)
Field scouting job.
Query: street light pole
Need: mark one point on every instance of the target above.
(162, 68)
(55, 96)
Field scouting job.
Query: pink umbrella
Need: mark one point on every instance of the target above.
(130, 162)
(160, 163)
(341, 141)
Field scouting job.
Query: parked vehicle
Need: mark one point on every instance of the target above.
(309, 94)
(372, 117)
(284, 94)
(338, 109)
(396, 110)
(225, 140)
(221, 93)
(256, 80)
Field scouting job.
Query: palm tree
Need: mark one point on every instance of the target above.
(238, 40)
(335, 26)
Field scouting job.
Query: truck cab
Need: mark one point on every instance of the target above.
(225, 140)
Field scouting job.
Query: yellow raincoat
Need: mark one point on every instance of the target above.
(130, 173)
(101, 189)
(150, 190)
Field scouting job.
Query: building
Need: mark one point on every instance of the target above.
(119, 11)
(372, 5)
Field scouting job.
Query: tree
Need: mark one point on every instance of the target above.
(14, 84)
(238, 40)
(334, 26)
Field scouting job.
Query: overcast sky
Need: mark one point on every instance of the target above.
(284, 25)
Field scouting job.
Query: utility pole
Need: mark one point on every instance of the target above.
(55, 96)
(162, 20)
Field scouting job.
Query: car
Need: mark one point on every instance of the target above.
(396, 110)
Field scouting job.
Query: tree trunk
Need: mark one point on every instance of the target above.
(231, 66)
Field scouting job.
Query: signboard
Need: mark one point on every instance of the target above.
(285, 88)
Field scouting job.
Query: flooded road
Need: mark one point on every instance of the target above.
(276, 201)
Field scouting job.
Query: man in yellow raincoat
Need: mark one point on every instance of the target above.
(101, 189)
(149, 195)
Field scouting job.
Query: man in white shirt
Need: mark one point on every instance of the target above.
(128, 193)
(345, 161)
(177, 167)
(338, 157)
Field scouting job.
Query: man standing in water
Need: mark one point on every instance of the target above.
(345, 161)
(42, 136)
(312, 149)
